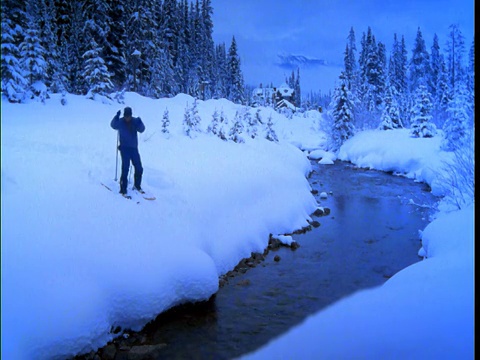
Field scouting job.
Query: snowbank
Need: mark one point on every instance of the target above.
(78, 259)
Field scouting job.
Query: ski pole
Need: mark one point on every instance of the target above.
(116, 160)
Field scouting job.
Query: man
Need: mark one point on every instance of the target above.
(128, 127)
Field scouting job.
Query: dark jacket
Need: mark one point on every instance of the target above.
(128, 130)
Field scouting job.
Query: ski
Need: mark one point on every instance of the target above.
(123, 195)
(144, 194)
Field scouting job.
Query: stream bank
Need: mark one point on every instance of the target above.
(370, 234)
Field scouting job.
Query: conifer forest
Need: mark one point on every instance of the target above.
(163, 48)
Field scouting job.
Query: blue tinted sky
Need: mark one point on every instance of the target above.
(318, 29)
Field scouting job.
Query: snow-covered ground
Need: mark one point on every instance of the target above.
(78, 259)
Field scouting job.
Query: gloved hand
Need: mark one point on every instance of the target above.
(118, 113)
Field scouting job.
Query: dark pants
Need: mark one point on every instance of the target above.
(130, 154)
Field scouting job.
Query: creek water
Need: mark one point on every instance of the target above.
(371, 233)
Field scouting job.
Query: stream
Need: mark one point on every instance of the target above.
(371, 233)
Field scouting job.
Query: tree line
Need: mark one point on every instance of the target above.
(430, 90)
(97, 47)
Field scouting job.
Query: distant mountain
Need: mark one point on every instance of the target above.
(292, 61)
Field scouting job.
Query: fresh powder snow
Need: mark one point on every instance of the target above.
(79, 260)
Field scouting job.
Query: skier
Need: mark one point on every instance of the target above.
(127, 127)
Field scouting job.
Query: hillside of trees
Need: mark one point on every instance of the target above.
(89, 47)
(431, 90)
(163, 48)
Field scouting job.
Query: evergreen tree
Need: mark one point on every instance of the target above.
(221, 75)
(297, 90)
(420, 71)
(350, 63)
(183, 62)
(390, 118)
(96, 74)
(115, 56)
(397, 75)
(72, 52)
(470, 80)
(14, 84)
(440, 88)
(455, 56)
(33, 56)
(235, 83)
(208, 50)
(397, 69)
(456, 127)
(372, 73)
(436, 65)
(343, 127)
(421, 126)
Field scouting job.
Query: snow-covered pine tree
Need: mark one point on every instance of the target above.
(14, 84)
(343, 127)
(436, 60)
(223, 127)
(207, 50)
(421, 114)
(54, 79)
(96, 75)
(455, 55)
(420, 70)
(350, 63)
(191, 120)
(470, 77)
(235, 84)
(214, 124)
(236, 130)
(397, 75)
(390, 118)
(297, 90)
(271, 135)
(440, 89)
(372, 67)
(32, 54)
(250, 122)
(456, 127)
(71, 37)
(115, 56)
(187, 122)
(165, 122)
(221, 74)
(258, 117)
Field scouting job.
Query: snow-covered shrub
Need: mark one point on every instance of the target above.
(191, 120)
(214, 124)
(165, 122)
(458, 176)
(270, 133)
(236, 130)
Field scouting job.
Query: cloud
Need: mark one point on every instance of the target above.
(293, 61)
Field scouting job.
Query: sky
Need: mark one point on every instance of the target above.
(78, 259)
(318, 30)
